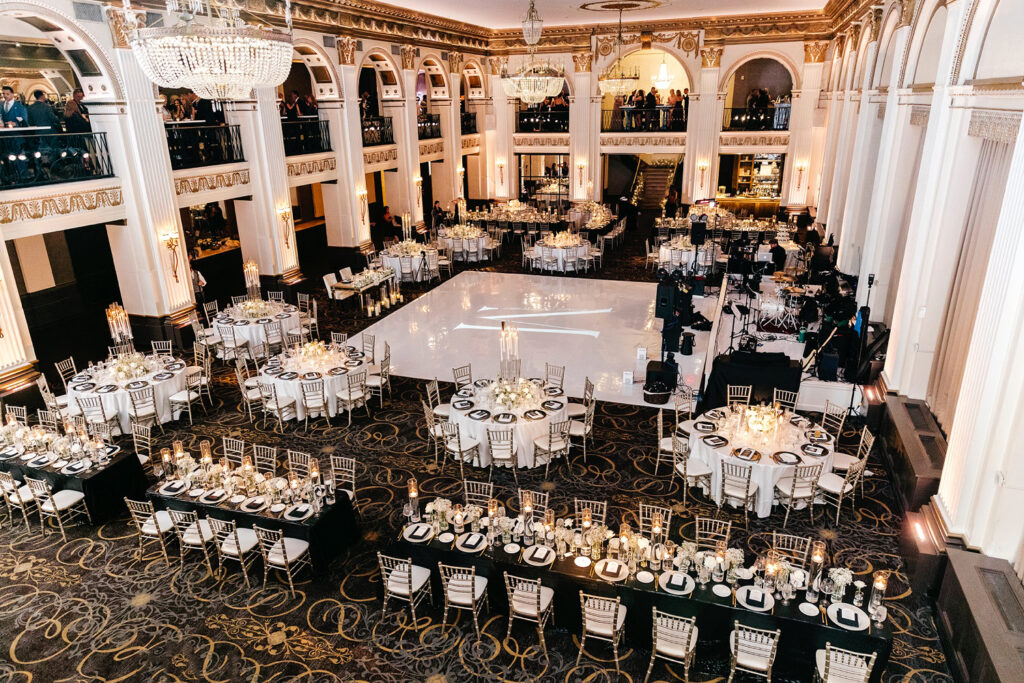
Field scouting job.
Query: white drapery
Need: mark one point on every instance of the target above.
(974, 250)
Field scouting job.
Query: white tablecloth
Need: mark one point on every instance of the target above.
(253, 331)
(419, 265)
(764, 253)
(119, 402)
(466, 244)
(562, 253)
(525, 431)
(292, 388)
(766, 471)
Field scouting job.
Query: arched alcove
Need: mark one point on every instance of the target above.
(924, 58)
(758, 91)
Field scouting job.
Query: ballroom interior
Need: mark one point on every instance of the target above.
(620, 340)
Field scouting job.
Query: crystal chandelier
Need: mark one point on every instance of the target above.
(663, 79)
(534, 81)
(211, 50)
(615, 81)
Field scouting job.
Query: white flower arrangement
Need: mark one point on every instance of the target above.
(439, 506)
(521, 394)
(253, 308)
(463, 232)
(734, 557)
(686, 551)
(369, 277)
(407, 248)
(564, 240)
(472, 512)
(798, 578)
(131, 366)
(506, 524)
(841, 577)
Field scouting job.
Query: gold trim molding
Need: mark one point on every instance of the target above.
(470, 141)
(640, 140)
(37, 208)
(311, 166)
(455, 60)
(380, 156)
(431, 147)
(535, 140)
(995, 126)
(214, 181)
(729, 139)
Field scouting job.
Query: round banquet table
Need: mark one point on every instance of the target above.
(562, 253)
(419, 264)
(118, 401)
(466, 243)
(289, 387)
(252, 329)
(765, 471)
(677, 256)
(525, 431)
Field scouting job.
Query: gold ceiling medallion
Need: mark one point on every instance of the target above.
(620, 5)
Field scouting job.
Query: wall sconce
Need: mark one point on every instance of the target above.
(461, 172)
(418, 182)
(285, 215)
(702, 166)
(170, 241)
(501, 170)
(801, 166)
(580, 166)
(361, 193)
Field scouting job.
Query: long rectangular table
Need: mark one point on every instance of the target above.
(801, 635)
(327, 533)
(105, 488)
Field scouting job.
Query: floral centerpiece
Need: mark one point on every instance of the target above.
(439, 507)
(131, 366)
(564, 240)
(521, 394)
(253, 308)
(407, 248)
(463, 231)
(763, 418)
(314, 352)
(841, 578)
(371, 277)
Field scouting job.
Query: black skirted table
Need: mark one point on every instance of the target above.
(800, 635)
(327, 533)
(105, 487)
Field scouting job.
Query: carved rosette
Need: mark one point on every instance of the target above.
(710, 57)
(49, 206)
(814, 53)
(455, 62)
(347, 50)
(582, 61)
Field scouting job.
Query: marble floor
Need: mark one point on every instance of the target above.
(595, 328)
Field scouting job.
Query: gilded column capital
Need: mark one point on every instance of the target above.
(408, 57)
(582, 61)
(347, 50)
(814, 53)
(497, 65)
(711, 57)
(455, 62)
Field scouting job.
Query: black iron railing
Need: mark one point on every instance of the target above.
(772, 117)
(34, 159)
(634, 119)
(306, 137)
(377, 130)
(531, 121)
(428, 126)
(194, 146)
(468, 122)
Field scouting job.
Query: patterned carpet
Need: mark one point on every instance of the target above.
(88, 609)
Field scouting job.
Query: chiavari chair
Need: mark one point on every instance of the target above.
(369, 344)
(834, 488)
(529, 600)
(435, 431)
(836, 665)
(502, 445)
(231, 347)
(20, 413)
(17, 496)
(477, 492)
(673, 639)
(339, 340)
(353, 394)
(464, 449)
(265, 459)
(274, 336)
(142, 407)
(694, 471)
(142, 440)
(603, 619)
(464, 590)
(841, 462)
(584, 430)
(664, 442)
(799, 487)
(274, 405)
(151, 525)
(684, 404)
(463, 376)
(66, 369)
(377, 382)
(275, 296)
(95, 413)
(284, 553)
(738, 394)
(574, 411)
(793, 549)
(64, 505)
(786, 399)
(193, 534)
(234, 450)
(183, 400)
(646, 514)
(736, 484)
(234, 543)
(710, 531)
(752, 650)
(235, 300)
(48, 419)
(314, 401)
(248, 387)
(832, 419)
(598, 510)
(442, 410)
(299, 463)
(343, 473)
(554, 375)
(405, 582)
(162, 348)
(554, 445)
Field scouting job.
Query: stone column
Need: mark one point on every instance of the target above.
(404, 194)
(351, 173)
(801, 125)
(499, 140)
(704, 128)
(340, 204)
(266, 228)
(446, 180)
(983, 475)
(582, 132)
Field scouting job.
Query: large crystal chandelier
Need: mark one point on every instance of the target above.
(211, 50)
(663, 80)
(616, 81)
(534, 81)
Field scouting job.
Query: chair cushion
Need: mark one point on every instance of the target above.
(525, 602)
(192, 536)
(246, 539)
(555, 444)
(457, 589)
(346, 395)
(374, 381)
(838, 674)
(24, 492)
(468, 444)
(666, 444)
(162, 525)
(671, 648)
(143, 459)
(443, 410)
(695, 467)
(785, 485)
(577, 428)
(293, 547)
(843, 461)
(575, 410)
(736, 491)
(8, 487)
(833, 483)
(398, 586)
(61, 400)
(600, 627)
(437, 431)
(184, 396)
(252, 394)
(145, 411)
(62, 500)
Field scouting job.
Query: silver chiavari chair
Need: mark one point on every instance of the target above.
(162, 348)
(95, 413)
(646, 516)
(673, 639)
(463, 376)
(553, 445)
(249, 388)
(735, 484)
(841, 462)
(836, 665)
(554, 375)
(314, 401)
(48, 419)
(265, 459)
(799, 487)
(142, 440)
(234, 543)
(603, 619)
(343, 473)
(832, 419)
(464, 449)
(477, 492)
(796, 550)
(299, 463)
(377, 382)
(575, 411)
(405, 582)
(142, 407)
(834, 489)
(65, 505)
(284, 553)
(369, 344)
(502, 445)
(529, 600)
(151, 525)
(442, 410)
(710, 531)
(738, 394)
(354, 394)
(464, 590)
(584, 429)
(598, 510)
(752, 650)
(234, 450)
(786, 399)
(182, 401)
(17, 496)
(20, 413)
(694, 471)
(435, 431)
(274, 405)
(193, 534)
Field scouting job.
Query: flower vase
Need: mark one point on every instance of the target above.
(474, 525)
(585, 550)
(858, 597)
(506, 537)
(595, 553)
(442, 522)
(560, 545)
(703, 575)
(838, 592)
(718, 574)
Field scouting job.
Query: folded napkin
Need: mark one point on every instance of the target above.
(678, 581)
(755, 598)
(170, 488)
(473, 541)
(539, 553)
(610, 570)
(420, 533)
(847, 618)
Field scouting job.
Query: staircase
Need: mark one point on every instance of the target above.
(656, 182)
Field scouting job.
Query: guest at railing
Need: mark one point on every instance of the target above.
(13, 111)
(290, 106)
(174, 109)
(209, 111)
(308, 106)
(40, 112)
(76, 114)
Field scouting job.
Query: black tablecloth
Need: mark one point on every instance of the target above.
(763, 371)
(800, 637)
(104, 489)
(328, 533)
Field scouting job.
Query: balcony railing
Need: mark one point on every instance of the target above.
(194, 146)
(531, 121)
(468, 122)
(772, 117)
(377, 130)
(27, 160)
(306, 137)
(428, 126)
(633, 119)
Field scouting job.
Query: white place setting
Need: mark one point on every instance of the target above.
(312, 361)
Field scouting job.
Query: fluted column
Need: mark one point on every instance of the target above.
(801, 125)
(341, 204)
(351, 171)
(582, 132)
(404, 193)
(704, 128)
(500, 139)
(17, 356)
(265, 225)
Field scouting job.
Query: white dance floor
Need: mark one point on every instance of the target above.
(592, 327)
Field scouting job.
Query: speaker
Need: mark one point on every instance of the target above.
(698, 233)
(828, 367)
(662, 372)
(665, 301)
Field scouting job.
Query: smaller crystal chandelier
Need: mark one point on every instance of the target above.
(615, 81)
(663, 80)
(211, 50)
(534, 81)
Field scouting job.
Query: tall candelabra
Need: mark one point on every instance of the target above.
(508, 361)
(252, 280)
(120, 326)
(406, 226)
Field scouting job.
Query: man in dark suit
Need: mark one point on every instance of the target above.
(651, 105)
(40, 112)
(778, 255)
(12, 111)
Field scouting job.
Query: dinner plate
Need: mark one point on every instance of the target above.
(289, 375)
(40, 461)
(755, 599)
(716, 441)
(87, 386)
(241, 323)
(481, 383)
(337, 372)
(106, 389)
(511, 548)
(464, 393)
(715, 414)
(462, 405)
(809, 609)
(83, 377)
(160, 376)
(535, 414)
(195, 493)
(505, 418)
(446, 537)
(644, 576)
(846, 616)
(817, 436)
(676, 583)
(312, 375)
(273, 370)
(172, 488)
(744, 574)
(471, 542)
(721, 590)
(236, 499)
(813, 450)
(746, 453)
(479, 414)
(799, 421)
(254, 504)
(61, 463)
(28, 456)
(137, 384)
(264, 321)
(552, 405)
(611, 570)
(553, 391)
(582, 561)
(282, 316)
(277, 507)
(537, 380)
(214, 496)
(353, 363)
(77, 467)
(539, 556)
(704, 426)
(786, 458)
(421, 532)
(174, 366)
(356, 354)
(297, 513)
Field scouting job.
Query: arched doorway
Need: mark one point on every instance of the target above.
(661, 100)
(758, 94)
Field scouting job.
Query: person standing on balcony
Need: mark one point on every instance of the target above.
(290, 107)
(686, 104)
(40, 112)
(13, 111)
(76, 114)
(209, 111)
(308, 106)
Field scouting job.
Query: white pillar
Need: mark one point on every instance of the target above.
(499, 139)
(582, 131)
(444, 175)
(801, 126)
(341, 203)
(351, 170)
(703, 130)
(17, 357)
